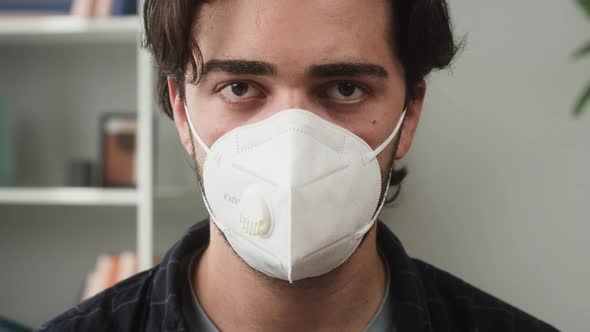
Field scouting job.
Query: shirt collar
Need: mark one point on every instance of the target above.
(406, 289)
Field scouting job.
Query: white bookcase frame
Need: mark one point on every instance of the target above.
(67, 29)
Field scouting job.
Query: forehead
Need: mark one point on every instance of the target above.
(292, 33)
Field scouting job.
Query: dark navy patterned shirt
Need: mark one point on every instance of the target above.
(423, 297)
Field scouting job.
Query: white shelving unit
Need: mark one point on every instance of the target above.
(66, 29)
(145, 157)
(69, 196)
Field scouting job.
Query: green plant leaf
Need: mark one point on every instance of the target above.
(585, 4)
(582, 101)
(582, 51)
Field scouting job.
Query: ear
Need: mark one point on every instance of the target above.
(411, 121)
(180, 119)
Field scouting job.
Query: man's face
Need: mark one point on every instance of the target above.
(332, 58)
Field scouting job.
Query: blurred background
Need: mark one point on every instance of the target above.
(498, 191)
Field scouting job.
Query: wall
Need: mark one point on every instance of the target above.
(499, 186)
(498, 191)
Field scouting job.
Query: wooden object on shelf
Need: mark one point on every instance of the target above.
(118, 150)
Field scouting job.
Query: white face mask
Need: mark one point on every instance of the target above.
(293, 194)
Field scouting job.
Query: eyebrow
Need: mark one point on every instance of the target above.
(240, 67)
(347, 69)
(247, 67)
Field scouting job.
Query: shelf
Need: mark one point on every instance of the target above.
(86, 196)
(68, 29)
(68, 196)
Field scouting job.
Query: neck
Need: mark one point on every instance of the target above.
(237, 298)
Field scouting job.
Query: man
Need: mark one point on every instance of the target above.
(294, 112)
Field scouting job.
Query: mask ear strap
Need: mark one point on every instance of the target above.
(195, 134)
(382, 203)
(373, 154)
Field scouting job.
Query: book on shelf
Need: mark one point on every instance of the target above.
(124, 7)
(81, 8)
(109, 270)
(49, 6)
(102, 8)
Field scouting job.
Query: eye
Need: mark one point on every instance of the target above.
(240, 91)
(345, 92)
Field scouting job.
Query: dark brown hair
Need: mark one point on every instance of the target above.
(420, 34)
